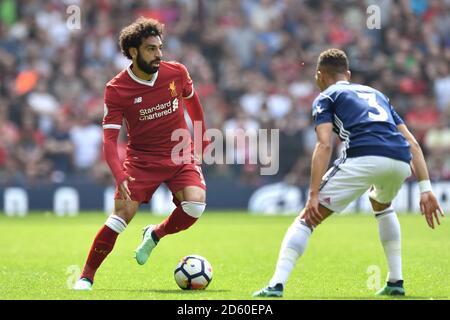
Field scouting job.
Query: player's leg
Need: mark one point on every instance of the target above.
(387, 183)
(191, 204)
(335, 195)
(188, 187)
(292, 248)
(389, 231)
(105, 239)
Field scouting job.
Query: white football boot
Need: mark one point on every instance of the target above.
(142, 253)
(82, 284)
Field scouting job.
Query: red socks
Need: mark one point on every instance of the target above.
(106, 238)
(176, 222)
(101, 247)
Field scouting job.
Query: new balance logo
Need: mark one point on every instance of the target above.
(138, 100)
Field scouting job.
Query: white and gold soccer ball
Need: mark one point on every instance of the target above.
(193, 272)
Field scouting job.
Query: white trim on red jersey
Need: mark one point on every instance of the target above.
(191, 95)
(138, 80)
(112, 126)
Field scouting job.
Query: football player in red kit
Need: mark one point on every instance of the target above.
(148, 95)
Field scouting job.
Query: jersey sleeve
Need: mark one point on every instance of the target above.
(112, 111)
(322, 109)
(397, 119)
(188, 86)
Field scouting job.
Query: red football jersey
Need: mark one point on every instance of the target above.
(152, 109)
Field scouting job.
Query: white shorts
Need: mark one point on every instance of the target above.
(346, 182)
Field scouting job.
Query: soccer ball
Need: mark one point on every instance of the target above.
(193, 272)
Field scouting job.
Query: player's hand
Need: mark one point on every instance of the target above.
(430, 208)
(312, 214)
(124, 190)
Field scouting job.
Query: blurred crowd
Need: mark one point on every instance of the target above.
(252, 62)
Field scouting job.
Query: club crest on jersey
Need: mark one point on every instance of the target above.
(317, 110)
(173, 89)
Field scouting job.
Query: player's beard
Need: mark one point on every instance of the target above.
(147, 67)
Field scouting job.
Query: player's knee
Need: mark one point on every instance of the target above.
(124, 213)
(193, 193)
(193, 208)
(116, 223)
(376, 206)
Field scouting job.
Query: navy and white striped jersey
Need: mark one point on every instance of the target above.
(364, 120)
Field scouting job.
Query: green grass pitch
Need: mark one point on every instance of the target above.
(37, 252)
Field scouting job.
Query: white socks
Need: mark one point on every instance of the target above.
(389, 230)
(297, 236)
(292, 247)
(116, 223)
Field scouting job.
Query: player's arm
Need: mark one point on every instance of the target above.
(418, 164)
(323, 114)
(112, 158)
(112, 122)
(319, 165)
(195, 111)
(428, 202)
(194, 108)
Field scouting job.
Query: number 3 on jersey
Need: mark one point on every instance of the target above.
(371, 99)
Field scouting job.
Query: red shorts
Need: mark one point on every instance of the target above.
(150, 173)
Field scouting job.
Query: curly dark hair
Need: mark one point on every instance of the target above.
(132, 35)
(333, 61)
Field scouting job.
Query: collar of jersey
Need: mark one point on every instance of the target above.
(342, 82)
(135, 78)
